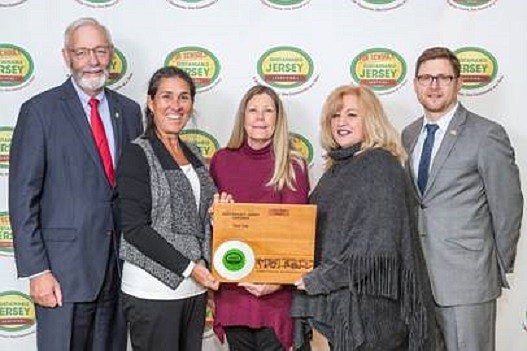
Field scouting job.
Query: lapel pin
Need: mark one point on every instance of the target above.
(116, 114)
(453, 132)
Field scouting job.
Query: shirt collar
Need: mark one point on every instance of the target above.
(85, 97)
(443, 121)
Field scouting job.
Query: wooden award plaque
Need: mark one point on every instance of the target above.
(263, 243)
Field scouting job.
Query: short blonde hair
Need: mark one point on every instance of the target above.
(284, 154)
(378, 131)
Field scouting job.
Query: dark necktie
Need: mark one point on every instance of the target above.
(99, 135)
(426, 155)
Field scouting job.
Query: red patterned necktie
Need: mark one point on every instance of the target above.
(101, 141)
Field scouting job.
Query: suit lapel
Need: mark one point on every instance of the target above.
(413, 132)
(448, 142)
(75, 113)
(117, 122)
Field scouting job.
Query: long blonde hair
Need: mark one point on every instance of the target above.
(378, 131)
(284, 154)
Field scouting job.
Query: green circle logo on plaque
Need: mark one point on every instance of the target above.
(233, 260)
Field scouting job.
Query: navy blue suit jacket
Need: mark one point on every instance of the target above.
(61, 205)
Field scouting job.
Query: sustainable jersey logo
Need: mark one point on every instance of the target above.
(192, 4)
(98, 3)
(380, 5)
(288, 69)
(285, 4)
(17, 314)
(118, 70)
(200, 64)
(302, 145)
(6, 235)
(6, 134)
(380, 69)
(471, 5)
(479, 70)
(204, 141)
(16, 67)
(233, 260)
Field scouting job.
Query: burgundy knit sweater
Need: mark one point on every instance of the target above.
(244, 173)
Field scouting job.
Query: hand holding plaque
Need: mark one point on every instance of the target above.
(263, 243)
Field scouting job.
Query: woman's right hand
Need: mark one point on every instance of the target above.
(203, 276)
(220, 198)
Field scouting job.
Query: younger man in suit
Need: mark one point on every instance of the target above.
(65, 146)
(471, 203)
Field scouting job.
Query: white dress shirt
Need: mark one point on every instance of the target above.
(442, 123)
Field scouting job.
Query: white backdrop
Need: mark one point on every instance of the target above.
(321, 39)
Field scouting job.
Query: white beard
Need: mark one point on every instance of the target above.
(95, 83)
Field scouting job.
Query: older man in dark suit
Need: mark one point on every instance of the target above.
(65, 146)
(471, 202)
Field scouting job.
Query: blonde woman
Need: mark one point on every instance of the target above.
(258, 166)
(369, 289)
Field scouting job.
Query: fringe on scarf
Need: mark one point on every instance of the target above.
(385, 276)
(413, 310)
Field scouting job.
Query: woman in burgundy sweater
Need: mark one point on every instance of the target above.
(258, 166)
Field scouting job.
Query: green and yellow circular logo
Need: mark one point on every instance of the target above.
(204, 141)
(201, 64)
(17, 314)
(471, 5)
(6, 134)
(380, 5)
(98, 3)
(16, 67)
(479, 69)
(285, 67)
(192, 4)
(302, 145)
(382, 70)
(285, 4)
(118, 69)
(10, 3)
(6, 235)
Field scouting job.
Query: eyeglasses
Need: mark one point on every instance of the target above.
(84, 53)
(441, 80)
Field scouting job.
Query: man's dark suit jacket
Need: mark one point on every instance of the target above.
(62, 208)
